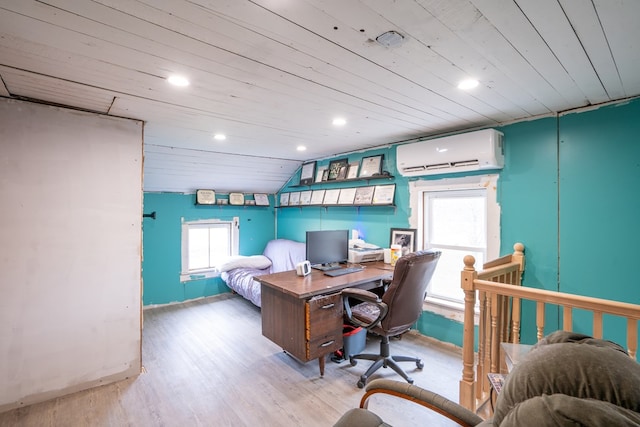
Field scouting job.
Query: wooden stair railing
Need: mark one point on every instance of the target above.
(500, 318)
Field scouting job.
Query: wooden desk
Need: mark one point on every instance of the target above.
(303, 315)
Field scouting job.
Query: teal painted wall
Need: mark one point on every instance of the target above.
(566, 192)
(599, 206)
(162, 244)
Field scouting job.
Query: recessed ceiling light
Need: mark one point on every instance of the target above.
(178, 80)
(219, 137)
(468, 84)
(301, 148)
(339, 121)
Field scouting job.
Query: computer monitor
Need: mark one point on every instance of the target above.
(327, 248)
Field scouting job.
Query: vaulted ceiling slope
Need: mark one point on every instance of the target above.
(272, 74)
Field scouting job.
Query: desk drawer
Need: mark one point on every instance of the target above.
(324, 316)
(325, 345)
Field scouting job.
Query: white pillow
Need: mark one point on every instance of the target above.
(253, 261)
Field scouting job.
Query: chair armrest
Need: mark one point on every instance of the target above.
(363, 296)
(426, 398)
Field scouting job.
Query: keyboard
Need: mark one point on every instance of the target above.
(342, 271)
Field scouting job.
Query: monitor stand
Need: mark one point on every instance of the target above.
(327, 267)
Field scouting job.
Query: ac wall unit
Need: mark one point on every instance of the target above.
(458, 153)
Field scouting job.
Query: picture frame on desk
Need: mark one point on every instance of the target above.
(405, 237)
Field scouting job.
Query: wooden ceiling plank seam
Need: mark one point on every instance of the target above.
(486, 39)
(553, 25)
(510, 21)
(586, 23)
(620, 25)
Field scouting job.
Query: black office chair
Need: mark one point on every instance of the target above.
(395, 312)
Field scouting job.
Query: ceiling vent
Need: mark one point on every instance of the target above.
(390, 39)
(458, 153)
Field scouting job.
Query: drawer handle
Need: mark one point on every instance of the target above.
(328, 306)
(327, 344)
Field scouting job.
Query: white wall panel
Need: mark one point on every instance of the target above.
(70, 227)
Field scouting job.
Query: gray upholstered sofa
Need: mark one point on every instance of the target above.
(566, 379)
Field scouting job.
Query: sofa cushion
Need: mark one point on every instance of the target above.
(577, 367)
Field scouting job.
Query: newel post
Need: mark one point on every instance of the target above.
(467, 384)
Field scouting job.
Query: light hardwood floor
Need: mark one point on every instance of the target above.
(206, 363)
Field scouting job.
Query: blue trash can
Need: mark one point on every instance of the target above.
(354, 339)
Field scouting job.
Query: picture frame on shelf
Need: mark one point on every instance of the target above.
(331, 196)
(364, 195)
(307, 173)
(317, 197)
(294, 198)
(284, 199)
(305, 197)
(405, 237)
(352, 172)
(236, 199)
(346, 196)
(321, 173)
(383, 194)
(371, 165)
(205, 197)
(261, 199)
(337, 168)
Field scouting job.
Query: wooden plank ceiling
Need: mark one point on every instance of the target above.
(272, 74)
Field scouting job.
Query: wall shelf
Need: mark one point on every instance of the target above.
(337, 181)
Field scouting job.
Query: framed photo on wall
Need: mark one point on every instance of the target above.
(405, 237)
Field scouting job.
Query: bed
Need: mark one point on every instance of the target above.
(498, 290)
(278, 255)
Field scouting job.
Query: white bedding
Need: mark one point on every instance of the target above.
(283, 255)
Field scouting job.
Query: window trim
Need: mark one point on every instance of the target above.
(187, 275)
(438, 306)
